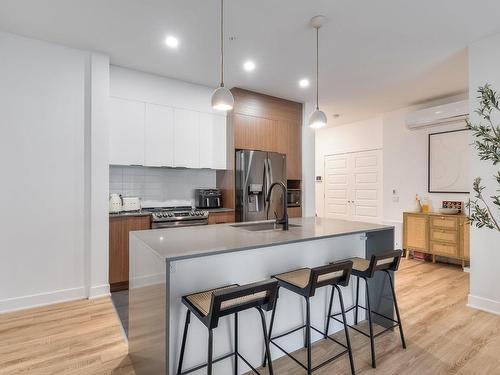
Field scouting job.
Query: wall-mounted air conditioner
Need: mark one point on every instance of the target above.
(440, 115)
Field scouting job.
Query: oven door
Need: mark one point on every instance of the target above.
(178, 224)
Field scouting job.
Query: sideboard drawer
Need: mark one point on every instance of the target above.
(444, 235)
(444, 222)
(445, 249)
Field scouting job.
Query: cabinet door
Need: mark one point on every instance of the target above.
(207, 140)
(119, 229)
(416, 232)
(126, 134)
(464, 239)
(186, 138)
(213, 144)
(294, 152)
(159, 136)
(219, 142)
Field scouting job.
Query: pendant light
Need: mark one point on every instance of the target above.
(222, 99)
(318, 118)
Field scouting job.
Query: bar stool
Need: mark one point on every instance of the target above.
(305, 282)
(210, 305)
(366, 269)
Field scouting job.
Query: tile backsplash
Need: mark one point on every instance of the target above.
(159, 184)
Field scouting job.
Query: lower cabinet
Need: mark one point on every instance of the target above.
(439, 235)
(294, 212)
(221, 217)
(119, 229)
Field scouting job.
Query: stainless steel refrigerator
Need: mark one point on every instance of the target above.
(255, 172)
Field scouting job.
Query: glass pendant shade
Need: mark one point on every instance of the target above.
(222, 99)
(317, 119)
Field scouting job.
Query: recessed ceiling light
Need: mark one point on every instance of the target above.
(172, 41)
(304, 83)
(249, 66)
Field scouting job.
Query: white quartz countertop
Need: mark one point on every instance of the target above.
(190, 242)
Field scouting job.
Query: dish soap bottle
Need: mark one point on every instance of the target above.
(418, 206)
(426, 205)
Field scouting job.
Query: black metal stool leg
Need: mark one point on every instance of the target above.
(346, 330)
(266, 341)
(397, 311)
(308, 336)
(370, 323)
(210, 351)
(236, 344)
(357, 302)
(329, 312)
(184, 337)
(270, 332)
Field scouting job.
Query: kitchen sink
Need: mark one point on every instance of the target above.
(256, 227)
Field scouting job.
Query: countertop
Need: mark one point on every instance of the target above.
(190, 242)
(148, 213)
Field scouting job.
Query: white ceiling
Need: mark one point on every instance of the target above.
(376, 55)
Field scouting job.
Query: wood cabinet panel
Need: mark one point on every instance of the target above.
(119, 229)
(416, 232)
(221, 217)
(464, 231)
(294, 212)
(443, 235)
(444, 222)
(294, 151)
(440, 248)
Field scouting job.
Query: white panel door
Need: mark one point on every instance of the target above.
(366, 186)
(337, 186)
(186, 138)
(353, 186)
(126, 134)
(159, 136)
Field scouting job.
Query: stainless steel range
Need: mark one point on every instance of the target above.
(173, 217)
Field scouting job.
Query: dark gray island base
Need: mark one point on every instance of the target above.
(166, 264)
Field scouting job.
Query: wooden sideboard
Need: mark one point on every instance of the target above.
(436, 234)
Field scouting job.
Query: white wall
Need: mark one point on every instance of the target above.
(406, 167)
(134, 85)
(485, 249)
(404, 159)
(97, 179)
(45, 193)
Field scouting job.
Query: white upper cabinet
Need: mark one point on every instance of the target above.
(186, 138)
(159, 136)
(219, 142)
(212, 141)
(126, 138)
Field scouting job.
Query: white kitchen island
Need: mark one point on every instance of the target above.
(166, 264)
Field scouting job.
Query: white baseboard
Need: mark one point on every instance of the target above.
(484, 304)
(99, 291)
(42, 299)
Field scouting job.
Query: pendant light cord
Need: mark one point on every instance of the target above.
(317, 68)
(222, 43)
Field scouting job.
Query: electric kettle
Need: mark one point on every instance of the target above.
(115, 203)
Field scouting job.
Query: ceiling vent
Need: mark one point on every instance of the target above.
(440, 115)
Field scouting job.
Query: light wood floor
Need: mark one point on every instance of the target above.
(443, 335)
